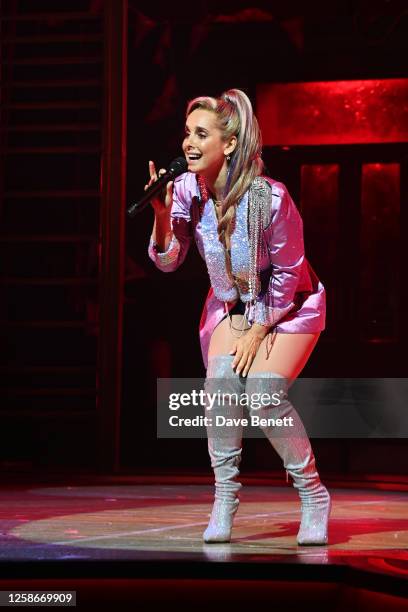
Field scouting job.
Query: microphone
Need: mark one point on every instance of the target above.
(177, 167)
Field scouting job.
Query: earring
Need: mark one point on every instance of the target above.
(228, 158)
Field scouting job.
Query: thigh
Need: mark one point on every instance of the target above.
(285, 354)
(225, 334)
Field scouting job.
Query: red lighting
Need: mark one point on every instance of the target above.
(333, 112)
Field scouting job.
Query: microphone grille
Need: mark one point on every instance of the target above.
(178, 166)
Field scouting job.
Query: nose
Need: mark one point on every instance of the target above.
(189, 141)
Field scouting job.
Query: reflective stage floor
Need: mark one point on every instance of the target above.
(148, 533)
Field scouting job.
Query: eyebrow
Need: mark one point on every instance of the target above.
(198, 127)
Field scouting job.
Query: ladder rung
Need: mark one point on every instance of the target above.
(39, 281)
(58, 127)
(47, 369)
(54, 38)
(74, 16)
(51, 105)
(47, 391)
(10, 238)
(69, 193)
(57, 150)
(52, 61)
(56, 83)
(45, 324)
(47, 414)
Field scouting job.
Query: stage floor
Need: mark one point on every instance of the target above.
(159, 522)
(121, 541)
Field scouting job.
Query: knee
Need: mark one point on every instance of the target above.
(221, 377)
(266, 382)
(220, 366)
(266, 391)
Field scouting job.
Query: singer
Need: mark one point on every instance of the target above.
(266, 307)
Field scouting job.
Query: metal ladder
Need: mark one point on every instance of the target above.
(53, 116)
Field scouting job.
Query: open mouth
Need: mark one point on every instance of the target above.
(193, 156)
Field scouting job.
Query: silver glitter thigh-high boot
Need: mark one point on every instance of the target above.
(224, 445)
(292, 444)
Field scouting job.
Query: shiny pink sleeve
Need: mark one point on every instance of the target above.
(176, 252)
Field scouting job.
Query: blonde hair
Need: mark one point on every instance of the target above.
(235, 118)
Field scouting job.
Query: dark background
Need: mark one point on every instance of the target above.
(50, 217)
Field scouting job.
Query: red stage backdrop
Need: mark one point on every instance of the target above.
(333, 112)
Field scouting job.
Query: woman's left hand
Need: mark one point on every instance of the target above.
(246, 348)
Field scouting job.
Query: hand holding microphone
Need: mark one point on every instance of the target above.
(161, 201)
(156, 185)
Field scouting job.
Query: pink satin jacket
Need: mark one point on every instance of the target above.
(291, 298)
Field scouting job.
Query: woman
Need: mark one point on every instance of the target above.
(266, 307)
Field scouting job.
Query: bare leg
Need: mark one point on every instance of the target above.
(222, 338)
(286, 354)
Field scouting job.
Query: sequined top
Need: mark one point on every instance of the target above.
(291, 298)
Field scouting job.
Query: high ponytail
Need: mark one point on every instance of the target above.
(235, 118)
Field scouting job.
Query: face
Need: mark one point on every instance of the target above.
(203, 146)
